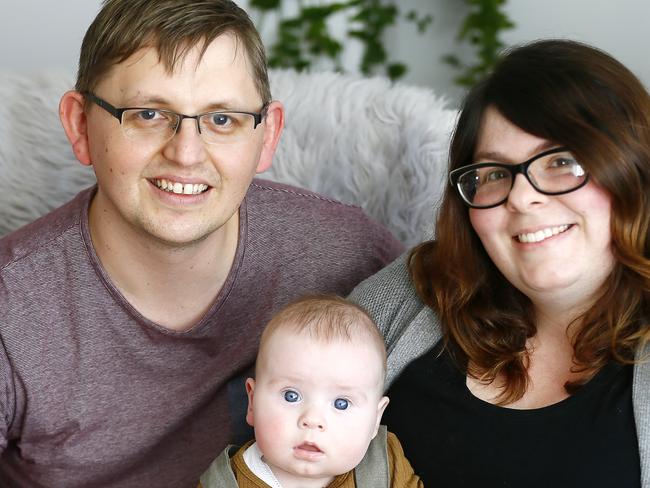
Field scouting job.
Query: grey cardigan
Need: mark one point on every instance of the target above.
(411, 328)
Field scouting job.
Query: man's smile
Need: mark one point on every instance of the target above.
(180, 188)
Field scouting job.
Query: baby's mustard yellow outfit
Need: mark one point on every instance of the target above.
(383, 466)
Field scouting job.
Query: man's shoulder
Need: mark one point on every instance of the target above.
(41, 234)
(268, 192)
(330, 244)
(304, 210)
(316, 221)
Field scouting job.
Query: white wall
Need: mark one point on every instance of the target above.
(43, 34)
(620, 27)
(46, 34)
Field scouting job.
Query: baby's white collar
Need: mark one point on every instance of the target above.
(255, 462)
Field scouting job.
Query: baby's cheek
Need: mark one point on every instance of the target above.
(273, 422)
(270, 437)
(350, 456)
(354, 443)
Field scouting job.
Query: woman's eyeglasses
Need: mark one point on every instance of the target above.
(487, 184)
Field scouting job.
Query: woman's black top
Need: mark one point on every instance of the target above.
(454, 439)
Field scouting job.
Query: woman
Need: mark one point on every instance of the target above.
(530, 312)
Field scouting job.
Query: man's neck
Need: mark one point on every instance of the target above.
(173, 286)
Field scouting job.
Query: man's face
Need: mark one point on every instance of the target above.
(130, 173)
(315, 405)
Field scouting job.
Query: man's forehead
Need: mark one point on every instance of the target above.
(223, 53)
(219, 76)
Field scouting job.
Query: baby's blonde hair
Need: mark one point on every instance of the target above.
(326, 318)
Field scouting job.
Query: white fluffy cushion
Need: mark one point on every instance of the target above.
(360, 140)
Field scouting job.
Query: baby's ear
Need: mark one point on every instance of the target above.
(250, 388)
(381, 406)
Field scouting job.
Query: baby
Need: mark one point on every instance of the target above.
(315, 405)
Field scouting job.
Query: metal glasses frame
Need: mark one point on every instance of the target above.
(118, 112)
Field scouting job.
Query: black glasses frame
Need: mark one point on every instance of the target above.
(514, 169)
(118, 112)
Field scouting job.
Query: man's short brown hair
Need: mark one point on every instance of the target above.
(173, 28)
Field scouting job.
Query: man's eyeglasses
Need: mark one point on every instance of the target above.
(152, 124)
(487, 185)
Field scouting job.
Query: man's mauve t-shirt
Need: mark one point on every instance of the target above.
(92, 394)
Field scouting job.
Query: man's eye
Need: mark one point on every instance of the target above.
(148, 114)
(221, 119)
(341, 404)
(291, 396)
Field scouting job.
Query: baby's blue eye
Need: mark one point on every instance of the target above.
(291, 396)
(341, 404)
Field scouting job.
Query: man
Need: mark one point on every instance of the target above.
(131, 315)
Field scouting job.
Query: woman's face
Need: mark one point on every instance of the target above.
(549, 247)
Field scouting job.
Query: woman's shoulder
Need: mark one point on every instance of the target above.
(389, 293)
(392, 282)
(409, 327)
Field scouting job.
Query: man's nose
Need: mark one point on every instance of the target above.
(186, 146)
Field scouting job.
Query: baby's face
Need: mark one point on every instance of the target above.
(315, 406)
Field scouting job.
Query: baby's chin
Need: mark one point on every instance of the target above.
(291, 477)
(314, 472)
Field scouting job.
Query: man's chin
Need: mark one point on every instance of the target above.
(178, 237)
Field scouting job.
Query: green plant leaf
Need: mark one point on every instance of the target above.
(451, 60)
(396, 70)
(305, 37)
(265, 4)
(292, 23)
(481, 28)
(421, 23)
(363, 35)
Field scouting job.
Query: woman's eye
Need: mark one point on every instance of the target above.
(496, 175)
(291, 396)
(489, 175)
(559, 162)
(341, 404)
(566, 165)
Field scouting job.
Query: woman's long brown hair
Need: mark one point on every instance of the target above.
(582, 98)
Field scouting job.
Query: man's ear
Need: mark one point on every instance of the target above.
(73, 118)
(381, 406)
(273, 124)
(250, 388)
